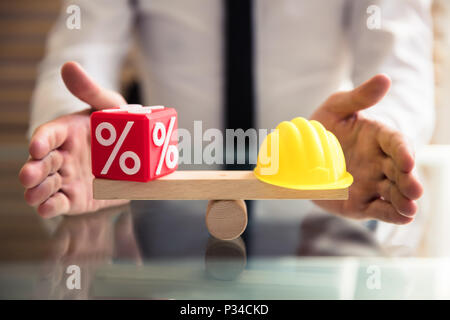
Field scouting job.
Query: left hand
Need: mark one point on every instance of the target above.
(377, 156)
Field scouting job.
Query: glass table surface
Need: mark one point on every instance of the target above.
(162, 250)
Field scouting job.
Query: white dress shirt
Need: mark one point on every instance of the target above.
(305, 50)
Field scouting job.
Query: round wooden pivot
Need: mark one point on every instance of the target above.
(226, 219)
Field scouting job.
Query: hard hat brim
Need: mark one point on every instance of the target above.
(343, 183)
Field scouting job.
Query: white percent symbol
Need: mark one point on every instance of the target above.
(125, 155)
(169, 154)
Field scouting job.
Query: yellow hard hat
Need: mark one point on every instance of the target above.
(302, 154)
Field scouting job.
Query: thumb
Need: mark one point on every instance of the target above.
(366, 95)
(84, 88)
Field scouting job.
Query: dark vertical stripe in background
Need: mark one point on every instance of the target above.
(239, 82)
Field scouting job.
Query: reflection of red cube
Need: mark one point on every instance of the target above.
(134, 143)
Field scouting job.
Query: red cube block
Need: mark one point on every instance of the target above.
(134, 143)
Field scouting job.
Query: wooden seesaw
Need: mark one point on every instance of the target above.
(226, 213)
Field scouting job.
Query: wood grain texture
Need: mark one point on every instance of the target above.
(226, 219)
(207, 185)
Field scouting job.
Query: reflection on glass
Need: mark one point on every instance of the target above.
(225, 260)
(79, 246)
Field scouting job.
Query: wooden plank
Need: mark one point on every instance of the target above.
(22, 51)
(23, 7)
(18, 28)
(15, 94)
(14, 138)
(17, 72)
(206, 185)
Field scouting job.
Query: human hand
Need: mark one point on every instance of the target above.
(57, 177)
(378, 157)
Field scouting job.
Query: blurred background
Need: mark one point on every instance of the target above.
(24, 25)
(23, 28)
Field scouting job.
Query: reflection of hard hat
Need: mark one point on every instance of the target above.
(302, 154)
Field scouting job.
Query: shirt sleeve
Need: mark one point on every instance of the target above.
(395, 38)
(99, 45)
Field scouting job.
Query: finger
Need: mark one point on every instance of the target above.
(35, 172)
(47, 137)
(84, 88)
(390, 192)
(366, 95)
(384, 211)
(407, 183)
(45, 190)
(56, 205)
(395, 146)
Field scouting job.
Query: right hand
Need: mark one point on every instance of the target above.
(379, 157)
(57, 177)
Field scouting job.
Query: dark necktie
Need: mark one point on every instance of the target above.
(239, 84)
